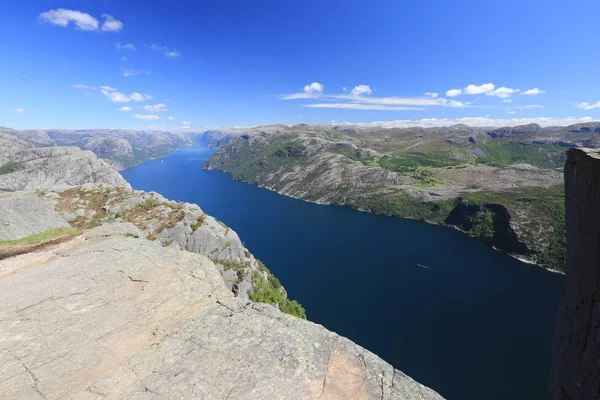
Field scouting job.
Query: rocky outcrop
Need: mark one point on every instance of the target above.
(576, 348)
(44, 167)
(173, 224)
(107, 315)
(25, 214)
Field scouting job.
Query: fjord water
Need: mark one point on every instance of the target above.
(452, 313)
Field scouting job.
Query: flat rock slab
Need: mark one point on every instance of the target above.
(25, 214)
(109, 316)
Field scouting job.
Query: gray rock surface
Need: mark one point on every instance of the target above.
(176, 225)
(576, 348)
(44, 167)
(24, 214)
(109, 316)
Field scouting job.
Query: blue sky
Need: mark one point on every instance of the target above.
(197, 64)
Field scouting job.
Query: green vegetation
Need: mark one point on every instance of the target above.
(483, 225)
(250, 163)
(229, 264)
(49, 234)
(555, 256)
(198, 223)
(271, 292)
(9, 167)
(506, 153)
(147, 204)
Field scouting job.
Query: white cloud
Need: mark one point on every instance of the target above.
(481, 89)
(108, 88)
(533, 91)
(111, 24)
(82, 21)
(19, 110)
(173, 54)
(123, 58)
(587, 106)
(156, 108)
(87, 93)
(117, 97)
(314, 87)
(361, 89)
(476, 121)
(488, 89)
(312, 90)
(125, 109)
(146, 117)
(356, 106)
(171, 118)
(501, 92)
(135, 72)
(63, 17)
(186, 122)
(510, 112)
(184, 127)
(127, 46)
(454, 92)
(433, 95)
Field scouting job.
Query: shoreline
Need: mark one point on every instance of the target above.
(453, 227)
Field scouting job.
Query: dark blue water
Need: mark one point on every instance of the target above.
(475, 324)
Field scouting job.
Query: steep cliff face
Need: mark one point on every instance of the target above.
(23, 166)
(576, 348)
(177, 225)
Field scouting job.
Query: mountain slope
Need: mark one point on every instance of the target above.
(503, 186)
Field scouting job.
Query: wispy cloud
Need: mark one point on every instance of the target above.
(108, 88)
(186, 122)
(356, 106)
(311, 91)
(117, 97)
(532, 92)
(171, 53)
(475, 121)
(360, 98)
(127, 46)
(146, 117)
(156, 108)
(588, 106)
(82, 21)
(125, 109)
(110, 24)
(171, 118)
(135, 72)
(80, 86)
(18, 110)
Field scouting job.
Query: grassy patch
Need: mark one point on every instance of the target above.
(506, 153)
(271, 292)
(198, 223)
(9, 167)
(50, 234)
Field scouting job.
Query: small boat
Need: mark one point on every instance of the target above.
(423, 266)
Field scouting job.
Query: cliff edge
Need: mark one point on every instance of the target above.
(576, 349)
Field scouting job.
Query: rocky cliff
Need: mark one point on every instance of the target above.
(111, 293)
(111, 315)
(576, 348)
(23, 166)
